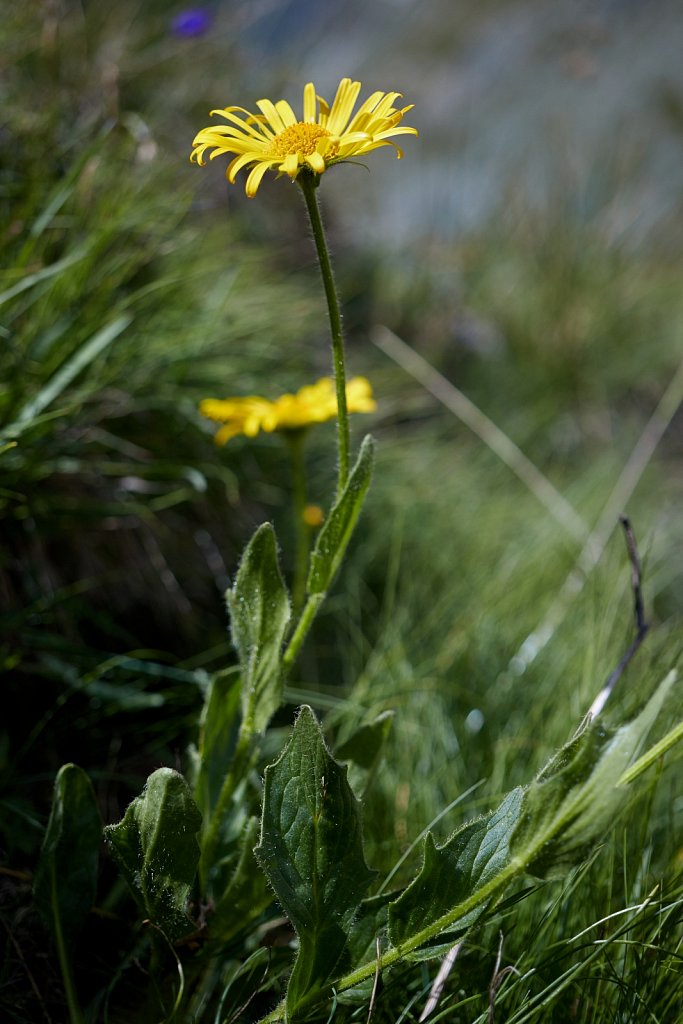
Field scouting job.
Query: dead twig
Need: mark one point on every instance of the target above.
(642, 626)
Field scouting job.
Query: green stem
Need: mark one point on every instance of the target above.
(302, 628)
(238, 770)
(295, 441)
(309, 184)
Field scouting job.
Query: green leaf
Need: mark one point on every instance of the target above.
(453, 874)
(66, 875)
(579, 794)
(336, 531)
(156, 849)
(311, 851)
(259, 615)
(219, 727)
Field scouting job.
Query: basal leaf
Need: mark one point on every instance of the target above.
(454, 874)
(66, 875)
(336, 532)
(157, 851)
(259, 615)
(311, 851)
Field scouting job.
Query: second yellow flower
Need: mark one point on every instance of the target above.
(314, 403)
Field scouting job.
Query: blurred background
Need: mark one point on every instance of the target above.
(528, 246)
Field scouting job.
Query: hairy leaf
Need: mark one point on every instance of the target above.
(66, 876)
(157, 851)
(259, 615)
(311, 851)
(453, 873)
(336, 531)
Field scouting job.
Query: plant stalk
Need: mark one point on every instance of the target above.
(309, 184)
(302, 628)
(237, 772)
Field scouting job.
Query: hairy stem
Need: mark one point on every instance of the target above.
(238, 770)
(309, 184)
(302, 628)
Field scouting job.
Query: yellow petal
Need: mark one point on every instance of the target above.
(255, 176)
(343, 105)
(286, 113)
(271, 112)
(309, 103)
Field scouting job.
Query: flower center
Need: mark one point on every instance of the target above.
(301, 137)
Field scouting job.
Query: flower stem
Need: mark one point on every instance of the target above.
(309, 184)
(236, 773)
(302, 628)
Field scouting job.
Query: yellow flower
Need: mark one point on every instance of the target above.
(314, 403)
(275, 139)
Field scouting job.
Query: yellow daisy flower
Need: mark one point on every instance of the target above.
(314, 403)
(275, 139)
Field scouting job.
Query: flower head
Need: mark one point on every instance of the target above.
(275, 139)
(314, 403)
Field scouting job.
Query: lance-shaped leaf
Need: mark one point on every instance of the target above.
(259, 614)
(66, 875)
(156, 848)
(311, 851)
(457, 874)
(336, 532)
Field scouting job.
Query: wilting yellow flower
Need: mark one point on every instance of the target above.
(314, 403)
(275, 139)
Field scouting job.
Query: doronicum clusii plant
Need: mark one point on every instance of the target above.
(254, 890)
